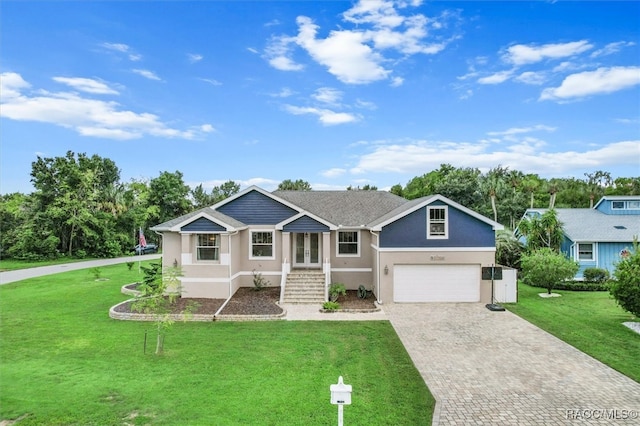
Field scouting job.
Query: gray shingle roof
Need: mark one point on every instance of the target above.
(399, 210)
(592, 225)
(207, 210)
(346, 208)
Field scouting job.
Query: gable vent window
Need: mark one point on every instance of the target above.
(208, 247)
(437, 222)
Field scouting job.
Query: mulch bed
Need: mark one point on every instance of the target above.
(352, 301)
(247, 301)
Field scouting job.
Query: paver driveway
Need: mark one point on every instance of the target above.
(491, 368)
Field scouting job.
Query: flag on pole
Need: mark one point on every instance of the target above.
(143, 241)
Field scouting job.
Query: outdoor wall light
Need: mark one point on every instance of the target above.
(386, 270)
(175, 263)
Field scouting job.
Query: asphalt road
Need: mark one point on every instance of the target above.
(23, 274)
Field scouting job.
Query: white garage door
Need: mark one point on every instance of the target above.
(436, 283)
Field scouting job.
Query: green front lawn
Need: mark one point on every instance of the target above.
(588, 320)
(64, 361)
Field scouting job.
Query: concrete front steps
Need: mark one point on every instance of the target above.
(304, 286)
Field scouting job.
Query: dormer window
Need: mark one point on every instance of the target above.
(617, 205)
(437, 222)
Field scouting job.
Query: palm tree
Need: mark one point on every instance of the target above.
(492, 184)
(542, 231)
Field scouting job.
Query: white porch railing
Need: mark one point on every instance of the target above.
(286, 268)
(326, 268)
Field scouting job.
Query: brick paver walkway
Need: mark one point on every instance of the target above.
(494, 368)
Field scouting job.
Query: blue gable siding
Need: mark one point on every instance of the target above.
(202, 225)
(254, 208)
(305, 224)
(411, 231)
(606, 208)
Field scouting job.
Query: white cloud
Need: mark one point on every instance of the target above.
(194, 57)
(278, 54)
(326, 116)
(497, 78)
(285, 92)
(211, 81)
(332, 173)
(123, 48)
(147, 74)
(602, 80)
(521, 130)
(11, 84)
(397, 81)
(521, 54)
(86, 116)
(379, 13)
(532, 77)
(365, 104)
(628, 120)
(612, 48)
(87, 85)
(272, 23)
(327, 95)
(252, 50)
(118, 47)
(355, 56)
(527, 155)
(344, 53)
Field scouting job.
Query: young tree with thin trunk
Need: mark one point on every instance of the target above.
(158, 295)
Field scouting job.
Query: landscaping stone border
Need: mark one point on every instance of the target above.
(353, 311)
(135, 316)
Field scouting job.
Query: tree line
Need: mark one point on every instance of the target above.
(80, 206)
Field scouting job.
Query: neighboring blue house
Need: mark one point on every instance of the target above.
(601, 236)
(429, 249)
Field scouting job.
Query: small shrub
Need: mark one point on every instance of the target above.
(336, 290)
(546, 268)
(362, 292)
(80, 254)
(626, 288)
(130, 265)
(259, 282)
(595, 275)
(582, 286)
(331, 306)
(96, 272)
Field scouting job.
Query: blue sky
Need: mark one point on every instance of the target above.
(332, 92)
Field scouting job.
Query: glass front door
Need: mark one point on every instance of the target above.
(307, 250)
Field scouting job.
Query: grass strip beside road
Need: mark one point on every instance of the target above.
(588, 320)
(64, 361)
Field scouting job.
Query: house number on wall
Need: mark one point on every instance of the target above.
(436, 257)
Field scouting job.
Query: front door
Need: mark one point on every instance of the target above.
(307, 250)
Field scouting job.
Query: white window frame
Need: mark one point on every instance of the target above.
(431, 236)
(215, 247)
(273, 244)
(339, 243)
(613, 205)
(633, 205)
(593, 252)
